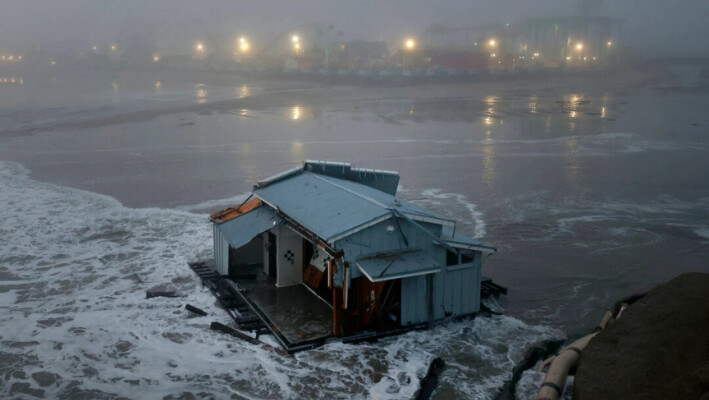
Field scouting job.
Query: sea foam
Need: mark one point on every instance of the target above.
(75, 267)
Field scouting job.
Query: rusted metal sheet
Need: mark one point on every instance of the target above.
(233, 212)
(312, 276)
(366, 299)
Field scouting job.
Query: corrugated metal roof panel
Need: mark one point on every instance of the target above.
(279, 176)
(240, 230)
(460, 240)
(386, 181)
(386, 267)
(321, 204)
(330, 207)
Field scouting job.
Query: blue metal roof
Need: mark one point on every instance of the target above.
(394, 266)
(459, 240)
(240, 230)
(319, 205)
(330, 207)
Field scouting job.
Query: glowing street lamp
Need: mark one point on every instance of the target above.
(243, 45)
(409, 45)
(113, 47)
(200, 47)
(579, 46)
(609, 44)
(492, 43)
(156, 58)
(295, 39)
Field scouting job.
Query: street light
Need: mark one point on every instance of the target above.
(609, 44)
(295, 39)
(409, 44)
(200, 47)
(579, 46)
(156, 58)
(243, 45)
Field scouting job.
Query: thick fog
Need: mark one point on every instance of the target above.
(655, 27)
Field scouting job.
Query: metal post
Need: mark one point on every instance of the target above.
(429, 298)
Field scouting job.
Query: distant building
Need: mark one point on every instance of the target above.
(576, 41)
(568, 41)
(363, 54)
(459, 60)
(327, 250)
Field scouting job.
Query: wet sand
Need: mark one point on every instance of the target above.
(348, 98)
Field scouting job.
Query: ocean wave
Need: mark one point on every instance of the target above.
(440, 201)
(75, 268)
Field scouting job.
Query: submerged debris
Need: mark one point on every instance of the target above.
(430, 381)
(193, 309)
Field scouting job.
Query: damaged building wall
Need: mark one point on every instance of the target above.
(455, 289)
(221, 250)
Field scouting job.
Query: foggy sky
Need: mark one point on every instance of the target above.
(654, 27)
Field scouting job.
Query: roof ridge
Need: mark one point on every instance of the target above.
(360, 195)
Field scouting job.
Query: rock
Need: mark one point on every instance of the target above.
(45, 378)
(24, 388)
(704, 377)
(656, 350)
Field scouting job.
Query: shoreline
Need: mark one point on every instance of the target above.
(322, 95)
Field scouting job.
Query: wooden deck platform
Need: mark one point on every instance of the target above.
(296, 317)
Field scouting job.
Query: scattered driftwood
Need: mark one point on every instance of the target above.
(216, 326)
(430, 381)
(195, 310)
(160, 293)
(162, 290)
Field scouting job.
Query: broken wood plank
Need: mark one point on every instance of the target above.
(157, 293)
(195, 310)
(216, 326)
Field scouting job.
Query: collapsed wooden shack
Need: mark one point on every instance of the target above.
(326, 250)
